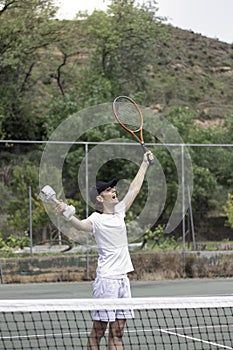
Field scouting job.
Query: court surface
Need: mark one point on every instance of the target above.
(210, 337)
(187, 287)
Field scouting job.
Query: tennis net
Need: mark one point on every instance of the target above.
(158, 323)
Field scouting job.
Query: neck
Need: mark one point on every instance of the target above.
(108, 212)
(108, 209)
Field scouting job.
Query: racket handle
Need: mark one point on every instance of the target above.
(145, 149)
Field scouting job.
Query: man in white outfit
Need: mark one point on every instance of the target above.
(108, 227)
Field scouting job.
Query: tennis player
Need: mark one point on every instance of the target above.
(114, 262)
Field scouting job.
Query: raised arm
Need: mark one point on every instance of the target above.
(137, 182)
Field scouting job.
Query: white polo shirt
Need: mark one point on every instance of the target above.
(111, 238)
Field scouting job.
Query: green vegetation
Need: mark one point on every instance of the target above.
(228, 210)
(50, 69)
(13, 242)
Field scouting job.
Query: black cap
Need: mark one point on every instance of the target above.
(99, 187)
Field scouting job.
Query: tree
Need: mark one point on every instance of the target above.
(26, 32)
(211, 165)
(17, 207)
(72, 50)
(123, 40)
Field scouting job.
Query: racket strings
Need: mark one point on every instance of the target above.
(128, 115)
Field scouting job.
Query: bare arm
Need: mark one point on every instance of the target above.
(137, 182)
(82, 225)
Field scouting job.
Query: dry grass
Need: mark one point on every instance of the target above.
(161, 266)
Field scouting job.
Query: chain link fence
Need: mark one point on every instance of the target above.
(189, 187)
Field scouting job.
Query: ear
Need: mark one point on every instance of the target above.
(99, 199)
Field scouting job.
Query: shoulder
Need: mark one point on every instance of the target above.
(94, 216)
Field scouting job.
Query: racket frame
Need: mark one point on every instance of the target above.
(132, 132)
(139, 138)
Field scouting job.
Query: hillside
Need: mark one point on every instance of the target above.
(188, 70)
(195, 71)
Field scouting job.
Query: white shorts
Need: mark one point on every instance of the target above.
(111, 289)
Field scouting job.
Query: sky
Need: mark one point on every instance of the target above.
(211, 18)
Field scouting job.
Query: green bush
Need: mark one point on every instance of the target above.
(157, 238)
(13, 242)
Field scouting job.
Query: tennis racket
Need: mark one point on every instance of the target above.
(129, 116)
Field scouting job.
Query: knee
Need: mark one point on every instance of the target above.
(98, 334)
(98, 331)
(116, 330)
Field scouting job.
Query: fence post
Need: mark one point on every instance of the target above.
(1, 273)
(87, 211)
(30, 215)
(183, 208)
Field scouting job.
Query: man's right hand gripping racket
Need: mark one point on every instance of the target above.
(129, 116)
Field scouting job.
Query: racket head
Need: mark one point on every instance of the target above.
(129, 116)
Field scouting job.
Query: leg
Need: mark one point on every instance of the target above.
(97, 332)
(116, 331)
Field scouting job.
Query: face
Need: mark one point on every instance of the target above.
(109, 195)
